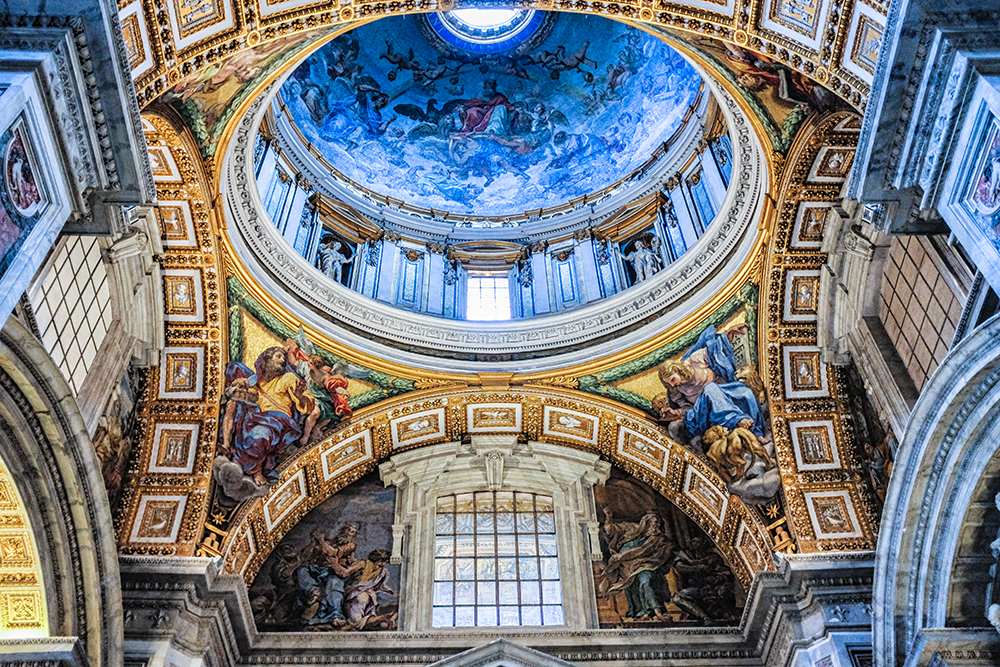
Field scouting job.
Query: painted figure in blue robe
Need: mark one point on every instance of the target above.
(703, 390)
(264, 414)
(322, 579)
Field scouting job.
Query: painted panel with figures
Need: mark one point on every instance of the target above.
(117, 433)
(657, 568)
(22, 194)
(282, 394)
(331, 572)
(705, 390)
(578, 104)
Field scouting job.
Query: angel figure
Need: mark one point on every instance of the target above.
(327, 386)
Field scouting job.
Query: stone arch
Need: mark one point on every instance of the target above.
(618, 433)
(45, 444)
(952, 434)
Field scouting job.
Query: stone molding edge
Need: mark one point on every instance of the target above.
(942, 455)
(716, 258)
(189, 590)
(64, 447)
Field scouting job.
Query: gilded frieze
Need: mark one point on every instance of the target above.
(830, 507)
(165, 495)
(22, 600)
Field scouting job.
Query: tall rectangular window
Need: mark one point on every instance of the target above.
(489, 299)
(495, 561)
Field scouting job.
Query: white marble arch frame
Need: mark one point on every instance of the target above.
(568, 475)
(317, 302)
(953, 433)
(58, 476)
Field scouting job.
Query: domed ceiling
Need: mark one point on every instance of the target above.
(513, 114)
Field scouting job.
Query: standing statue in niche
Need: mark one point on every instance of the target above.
(331, 259)
(645, 259)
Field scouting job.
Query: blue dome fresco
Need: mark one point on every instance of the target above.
(425, 110)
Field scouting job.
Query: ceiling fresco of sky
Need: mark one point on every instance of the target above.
(445, 121)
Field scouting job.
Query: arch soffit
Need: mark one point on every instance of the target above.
(46, 446)
(953, 432)
(544, 414)
(23, 590)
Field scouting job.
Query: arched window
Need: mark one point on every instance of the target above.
(489, 529)
(496, 561)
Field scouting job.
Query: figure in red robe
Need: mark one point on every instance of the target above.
(479, 112)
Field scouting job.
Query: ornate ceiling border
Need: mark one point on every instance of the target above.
(231, 27)
(179, 404)
(829, 507)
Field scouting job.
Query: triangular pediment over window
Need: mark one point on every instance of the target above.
(502, 653)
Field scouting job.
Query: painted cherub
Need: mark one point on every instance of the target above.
(324, 383)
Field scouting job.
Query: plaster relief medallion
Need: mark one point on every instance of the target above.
(194, 15)
(867, 39)
(802, 16)
(181, 368)
(810, 225)
(331, 571)
(491, 417)
(174, 448)
(159, 519)
(421, 427)
(832, 165)
(241, 552)
(134, 48)
(21, 609)
(284, 498)
(563, 423)
(183, 295)
(181, 372)
(161, 161)
(346, 454)
(815, 445)
(176, 224)
(749, 550)
(832, 514)
(643, 451)
(805, 373)
(657, 567)
(701, 490)
(801, 296)
(15, 551)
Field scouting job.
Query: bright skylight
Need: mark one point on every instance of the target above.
(484, 18)
(489, 299)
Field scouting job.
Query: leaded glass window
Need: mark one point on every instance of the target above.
(495, 561)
